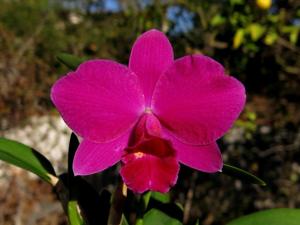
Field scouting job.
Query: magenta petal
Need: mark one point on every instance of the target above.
(150, 56)
(92, 157)
(150, 166)
(100, 101)
(206, 158)
(196, 101)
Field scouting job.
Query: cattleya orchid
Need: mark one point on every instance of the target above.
(152, 115)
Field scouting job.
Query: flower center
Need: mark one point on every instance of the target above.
(138, 155)
(148, 110)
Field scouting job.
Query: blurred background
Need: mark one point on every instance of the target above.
(256, 41)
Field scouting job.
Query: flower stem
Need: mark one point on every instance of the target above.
(117, 203)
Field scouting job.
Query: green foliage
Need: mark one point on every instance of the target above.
(248, 124)
(123, 221)
(27, 158)
(161, 197)
(241, 174)
(157, 217)
(13, 14)
(270, 217)
(238, 38)
(73, 213)
(69, 60)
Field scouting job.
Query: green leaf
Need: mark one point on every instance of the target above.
(73, 214)
(237, 2)
(242, 174)
(27, 158)
(270, 217)
(145, 199)
(271, 38)
(70, 61)
(217, 20)
(256, 31)
(123, 221)
(160, 197)
(294, 36)
(157, 217)
(238, 38)
(164, 198)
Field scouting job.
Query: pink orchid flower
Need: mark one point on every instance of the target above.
(152, 115)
